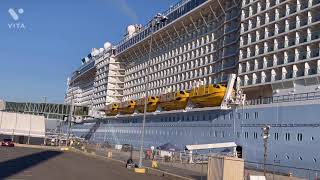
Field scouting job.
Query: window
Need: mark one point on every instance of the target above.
(239, 116)
(256, 115)
(246, 135)
(231, 115)
(238, 134)
(287, 136)
(300, 158)
(255, 135)
(276, 136)
(299, 137)
(247, 115)
(287, 157)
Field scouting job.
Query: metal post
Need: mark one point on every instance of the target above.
(145, 99)
(265, 136)
(157, 19)
(70, 116)
(44, 108)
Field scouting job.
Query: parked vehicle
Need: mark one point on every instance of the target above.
(126, 147)
(7, 142)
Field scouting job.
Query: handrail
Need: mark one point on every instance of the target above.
(285, 98)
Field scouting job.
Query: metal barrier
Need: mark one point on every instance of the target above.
(285, 98)
(179, 164)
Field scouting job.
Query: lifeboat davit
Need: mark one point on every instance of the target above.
(174, 100)
(128, 107)
(152, 103)
(208, 96)
(112, 109)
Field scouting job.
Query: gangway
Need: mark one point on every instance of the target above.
(49, 110)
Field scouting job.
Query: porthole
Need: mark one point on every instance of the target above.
(314, 160)
(275, 156)
(312, 138)
(287, 157)
(300, 158)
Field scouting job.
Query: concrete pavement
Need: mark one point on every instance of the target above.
(20, 163)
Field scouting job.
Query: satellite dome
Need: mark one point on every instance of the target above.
(107, 45)
(95, 52)
(101, 50)
(130, 30)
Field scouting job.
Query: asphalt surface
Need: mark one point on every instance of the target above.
(37, 164)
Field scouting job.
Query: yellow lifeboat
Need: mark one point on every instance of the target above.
(112, 109)
(128, 107)
(208, 96)
(152, 104)
(174, 101)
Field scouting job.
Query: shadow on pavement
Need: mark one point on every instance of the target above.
(14, 166)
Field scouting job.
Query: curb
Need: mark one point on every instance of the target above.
(38, 146)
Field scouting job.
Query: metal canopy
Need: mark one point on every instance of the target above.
(211, 146)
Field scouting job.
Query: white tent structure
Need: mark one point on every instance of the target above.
(194, 147)
(16, 124)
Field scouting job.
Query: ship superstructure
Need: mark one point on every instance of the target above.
(80, 90)
(279, 47)
(273, 48)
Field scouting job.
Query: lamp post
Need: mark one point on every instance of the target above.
(70, 113)
(159, 18)
(265, 136)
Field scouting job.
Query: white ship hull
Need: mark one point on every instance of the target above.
(294, 134)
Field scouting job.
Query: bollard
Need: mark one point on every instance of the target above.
(154, 164)
(109, 154)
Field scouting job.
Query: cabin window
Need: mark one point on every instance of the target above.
(287, 136)
(299, 137)
(247, 115)
(246, 135)
(256, 115)
(231, 116)
(222, 134)
(255, 135)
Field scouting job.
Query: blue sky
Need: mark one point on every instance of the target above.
(36, 60)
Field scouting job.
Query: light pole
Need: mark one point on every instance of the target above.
(70, 114)
(265, 136)
(155, 21)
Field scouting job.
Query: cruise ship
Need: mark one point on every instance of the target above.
(214, 71)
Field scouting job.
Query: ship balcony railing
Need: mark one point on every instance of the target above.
(285, 98)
